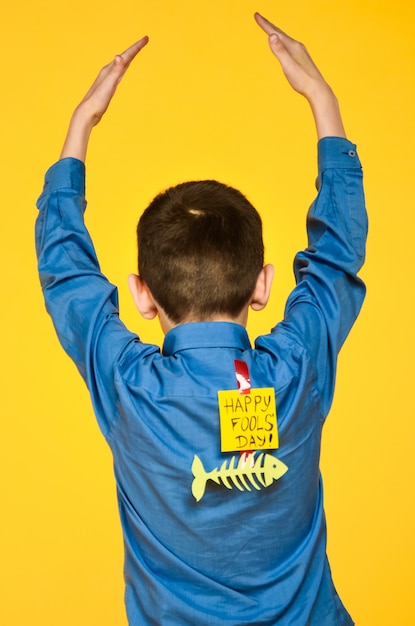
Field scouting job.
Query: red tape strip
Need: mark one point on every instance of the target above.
(244, 386)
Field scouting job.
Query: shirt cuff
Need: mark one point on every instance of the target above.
(68, 173)
(337, 152)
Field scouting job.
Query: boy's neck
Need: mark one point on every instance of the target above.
(167, 324)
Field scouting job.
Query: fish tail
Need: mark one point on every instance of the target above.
(200, 478)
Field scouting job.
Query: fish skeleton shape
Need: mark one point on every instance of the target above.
(260, 473)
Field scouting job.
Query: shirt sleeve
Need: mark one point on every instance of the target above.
(82, 303)
(323, 306)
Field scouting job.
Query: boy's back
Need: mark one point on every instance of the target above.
(212, 537)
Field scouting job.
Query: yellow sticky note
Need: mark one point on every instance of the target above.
(248, 421)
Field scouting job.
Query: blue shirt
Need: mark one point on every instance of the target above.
(236, 556)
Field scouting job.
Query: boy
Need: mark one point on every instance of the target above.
(220, 499)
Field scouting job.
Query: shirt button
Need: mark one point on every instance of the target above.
(352, 153)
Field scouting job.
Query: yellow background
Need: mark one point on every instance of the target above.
(205, 99)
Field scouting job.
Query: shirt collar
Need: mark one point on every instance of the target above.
(205, 335)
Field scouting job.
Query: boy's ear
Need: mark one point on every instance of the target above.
(262, 288)
(142, 297)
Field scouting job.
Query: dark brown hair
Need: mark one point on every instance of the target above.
(200, 250)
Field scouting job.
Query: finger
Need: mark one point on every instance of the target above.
(266, 25)
(121, 62)
(129, 54)
(280, 51)
(111, 74)
(277, 46)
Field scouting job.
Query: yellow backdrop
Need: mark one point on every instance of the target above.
(205, 99)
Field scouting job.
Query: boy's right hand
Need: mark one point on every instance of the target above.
(304, 76)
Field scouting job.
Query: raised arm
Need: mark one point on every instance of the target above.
(323, 306)
(304, 76)
(94, 104)
(80, 300)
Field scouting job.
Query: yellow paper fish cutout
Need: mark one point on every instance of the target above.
(260, 472)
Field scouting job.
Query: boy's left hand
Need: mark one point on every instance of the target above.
(96, 101)
(98, 97)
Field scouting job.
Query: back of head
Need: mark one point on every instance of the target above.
(200, 250)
